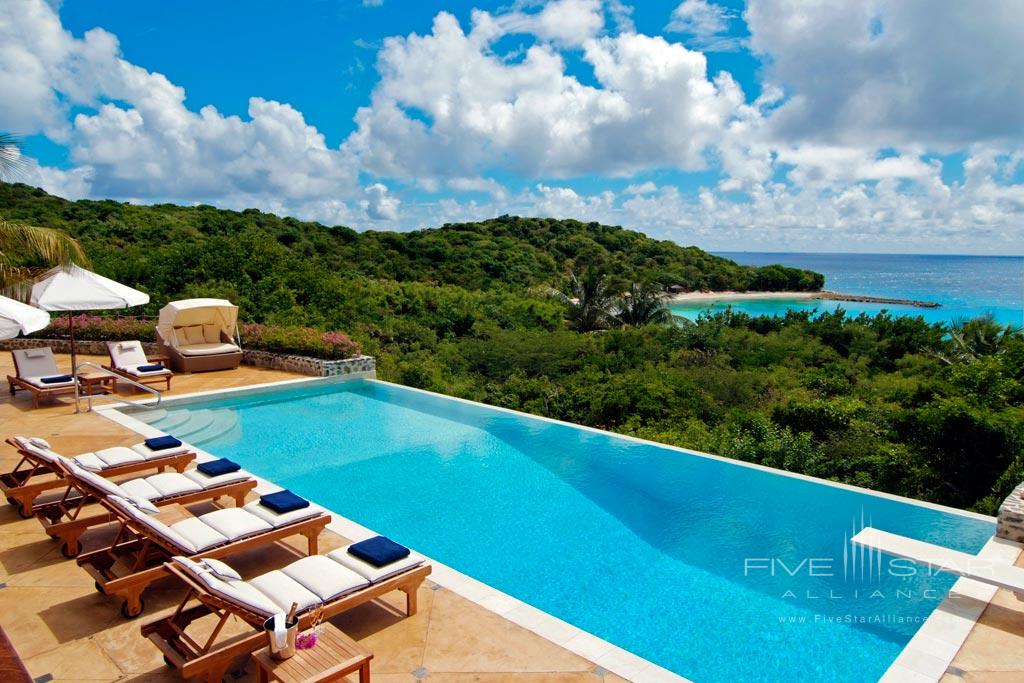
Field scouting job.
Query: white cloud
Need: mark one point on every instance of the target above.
(880, 73)
(816, 161)
(706, 24)
(641, 188)
(568, 22)
(379, 205)
(447, 106)
(149, 146)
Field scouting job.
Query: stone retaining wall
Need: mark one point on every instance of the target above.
(360, 366)
(93, 348)
(1010, 522)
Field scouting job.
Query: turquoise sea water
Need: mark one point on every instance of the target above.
(966, 286)
(717, 571)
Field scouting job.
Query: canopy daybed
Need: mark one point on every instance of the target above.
(200, 335)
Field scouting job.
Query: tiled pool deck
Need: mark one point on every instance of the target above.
(463, 632)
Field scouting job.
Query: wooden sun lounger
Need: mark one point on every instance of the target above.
(951, 561)
(135, 558)
(28, 480)
(15, 383)
(137, 356)
(209, 658)
(69, 518)
(26, 367)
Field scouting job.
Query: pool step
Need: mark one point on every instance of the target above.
(170, 421)
(195, 421)
(224, 423)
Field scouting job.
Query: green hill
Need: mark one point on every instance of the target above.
(173, 250)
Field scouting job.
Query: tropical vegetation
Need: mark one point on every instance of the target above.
(26, 251)
(566, 319)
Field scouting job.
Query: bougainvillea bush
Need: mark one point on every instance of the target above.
(302, 341)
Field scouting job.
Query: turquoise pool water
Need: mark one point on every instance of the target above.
(716, 571)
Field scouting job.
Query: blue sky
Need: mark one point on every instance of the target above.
(854, 125)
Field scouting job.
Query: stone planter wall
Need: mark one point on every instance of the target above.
(360, 366)
(94, 348)
(1010, 522)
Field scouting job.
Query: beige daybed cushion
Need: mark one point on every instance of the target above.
(207, 349)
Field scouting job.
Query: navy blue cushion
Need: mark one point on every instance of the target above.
(378, 551)
(150, 368)
(283, 501)
(159, 443)
(215, 468)
(55, 379)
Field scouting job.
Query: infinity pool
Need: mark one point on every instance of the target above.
(717, 571)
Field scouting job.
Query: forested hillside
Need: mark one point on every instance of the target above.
(890, 403)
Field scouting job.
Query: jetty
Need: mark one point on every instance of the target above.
(862, 298)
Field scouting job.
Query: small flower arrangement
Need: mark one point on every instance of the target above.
(305, 641)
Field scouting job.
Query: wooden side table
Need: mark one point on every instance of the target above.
(94, 383)
(334, 656)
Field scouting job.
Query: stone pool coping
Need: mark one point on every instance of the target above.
(925, 658)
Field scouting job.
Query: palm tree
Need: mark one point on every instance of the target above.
(27, 251)
(589, 301)
(643, 304)
(970, 340)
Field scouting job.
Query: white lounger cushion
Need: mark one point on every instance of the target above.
(234, 523)
(368, 571)
(192, 534)
(96, 481)
(34, 446)
(38, 382)
(284, 590)
(276, 520)
(119, 455)
(207, 349)
(172, 483)
(89, 461)
(134, 370)
(149, 454)
(126, 353)
(206, 481)
(235, 591)
(186, 537)
(324, 577)
(37, 362)
(140, 488)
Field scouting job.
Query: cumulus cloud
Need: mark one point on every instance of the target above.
(705, 23)
(893, 72)
(448, 106)
(814, 161)
(137, 139)
(379, 205)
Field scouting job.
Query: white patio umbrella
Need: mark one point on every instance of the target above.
(18, 318)
(73, 288)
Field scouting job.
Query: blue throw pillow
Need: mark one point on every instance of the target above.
(160, 443)
(150, 368)
(215, 468)
(55, 379)
(378, 551)
(283, 501)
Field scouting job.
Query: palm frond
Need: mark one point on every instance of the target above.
(12, 162)
(27, 251)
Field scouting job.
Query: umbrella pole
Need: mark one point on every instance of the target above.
(71, 333)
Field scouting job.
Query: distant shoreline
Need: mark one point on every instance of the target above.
(824, 295)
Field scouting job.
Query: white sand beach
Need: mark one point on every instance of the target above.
(702, 297)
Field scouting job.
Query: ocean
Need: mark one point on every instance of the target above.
(966, 286)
